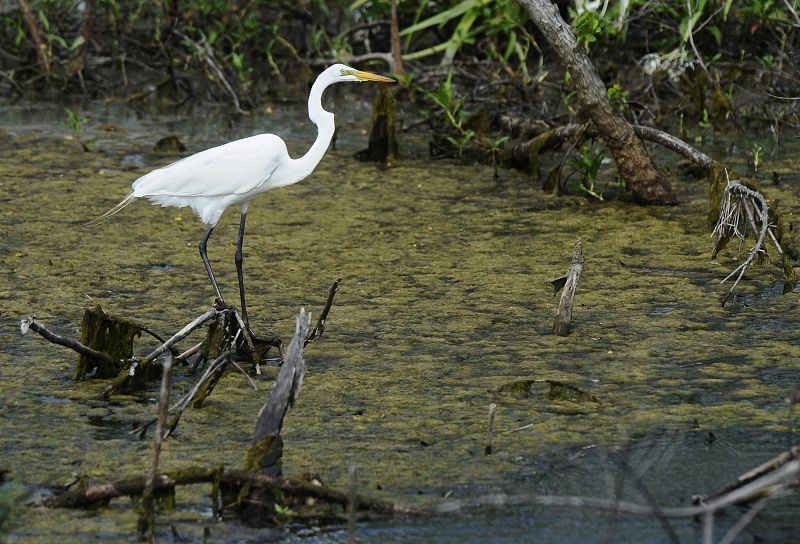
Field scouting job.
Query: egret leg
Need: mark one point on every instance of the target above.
(240, 268)
(204, 255)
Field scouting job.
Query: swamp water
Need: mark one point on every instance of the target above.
(445, 300)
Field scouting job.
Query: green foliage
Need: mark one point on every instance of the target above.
(453, 110)
(617, 96)
(284, 513)
(587, 166)
(587, 25)
(756, 156)
(74, 122)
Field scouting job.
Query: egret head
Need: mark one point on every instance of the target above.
(342, 72)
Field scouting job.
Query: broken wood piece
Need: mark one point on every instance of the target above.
(490, 431)
(30, 323)
(147, 518)
(111, 335)
(563, 320)
(261, 456)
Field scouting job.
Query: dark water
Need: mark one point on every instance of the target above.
(445, 299)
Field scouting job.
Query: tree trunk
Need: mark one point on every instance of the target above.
(647, 183)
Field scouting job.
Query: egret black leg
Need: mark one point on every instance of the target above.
(240, 269)
(204, 255)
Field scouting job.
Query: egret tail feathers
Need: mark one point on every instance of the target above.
(113, 211)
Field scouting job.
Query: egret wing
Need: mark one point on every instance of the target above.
(234, 168)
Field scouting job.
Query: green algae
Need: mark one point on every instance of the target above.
(445, 298)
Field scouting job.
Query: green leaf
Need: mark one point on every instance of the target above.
(441, 18)
(717, 33)
(77, 42)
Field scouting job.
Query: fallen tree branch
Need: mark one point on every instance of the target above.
(30, 323)
(167, 481)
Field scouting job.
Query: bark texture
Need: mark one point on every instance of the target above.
(647, 183)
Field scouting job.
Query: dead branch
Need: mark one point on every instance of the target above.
(319, 328)
(770, 483)
(563, 319)
(167, 481)
(136, 365)
(543, 138)
(147, 518)
(205, 51)
(30, 323)
(265, 451)
(183, 333)
(741, 207)
(33, 29)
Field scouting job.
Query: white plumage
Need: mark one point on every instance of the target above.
(234, 173)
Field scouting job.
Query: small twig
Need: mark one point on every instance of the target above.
(183, 333)
(319, 328)
(245, 374)
(178, 408)
(351, 505)
(147, 517)
(189, 352)
(691, 31)
(33, 29)
(208, 56)
(745, 520)
(518, 429)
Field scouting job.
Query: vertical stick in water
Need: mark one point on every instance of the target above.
(563, 321)
(147, 519)
(490, 431)
(351, 507)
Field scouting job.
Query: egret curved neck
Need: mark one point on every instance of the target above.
(325, 126)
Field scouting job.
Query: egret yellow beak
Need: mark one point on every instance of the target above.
(366, 76)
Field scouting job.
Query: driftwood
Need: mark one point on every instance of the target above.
(569, 284)
(166, 482)
(252, 493)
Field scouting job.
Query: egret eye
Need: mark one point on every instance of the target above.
(346, 72)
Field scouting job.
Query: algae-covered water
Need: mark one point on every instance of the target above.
(445, 299)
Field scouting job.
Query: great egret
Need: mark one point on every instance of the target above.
(234, 173)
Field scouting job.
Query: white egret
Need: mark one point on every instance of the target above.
(234, 173)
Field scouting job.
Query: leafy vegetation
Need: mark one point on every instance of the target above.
(469, 62)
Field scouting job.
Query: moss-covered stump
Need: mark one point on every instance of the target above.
(107, 334)
(382, 145)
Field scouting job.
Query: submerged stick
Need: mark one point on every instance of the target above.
(490, 431)
(134, 486)
(147, 518)
(319, 328)
(563, 320)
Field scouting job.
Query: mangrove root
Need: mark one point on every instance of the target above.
(741, 208)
